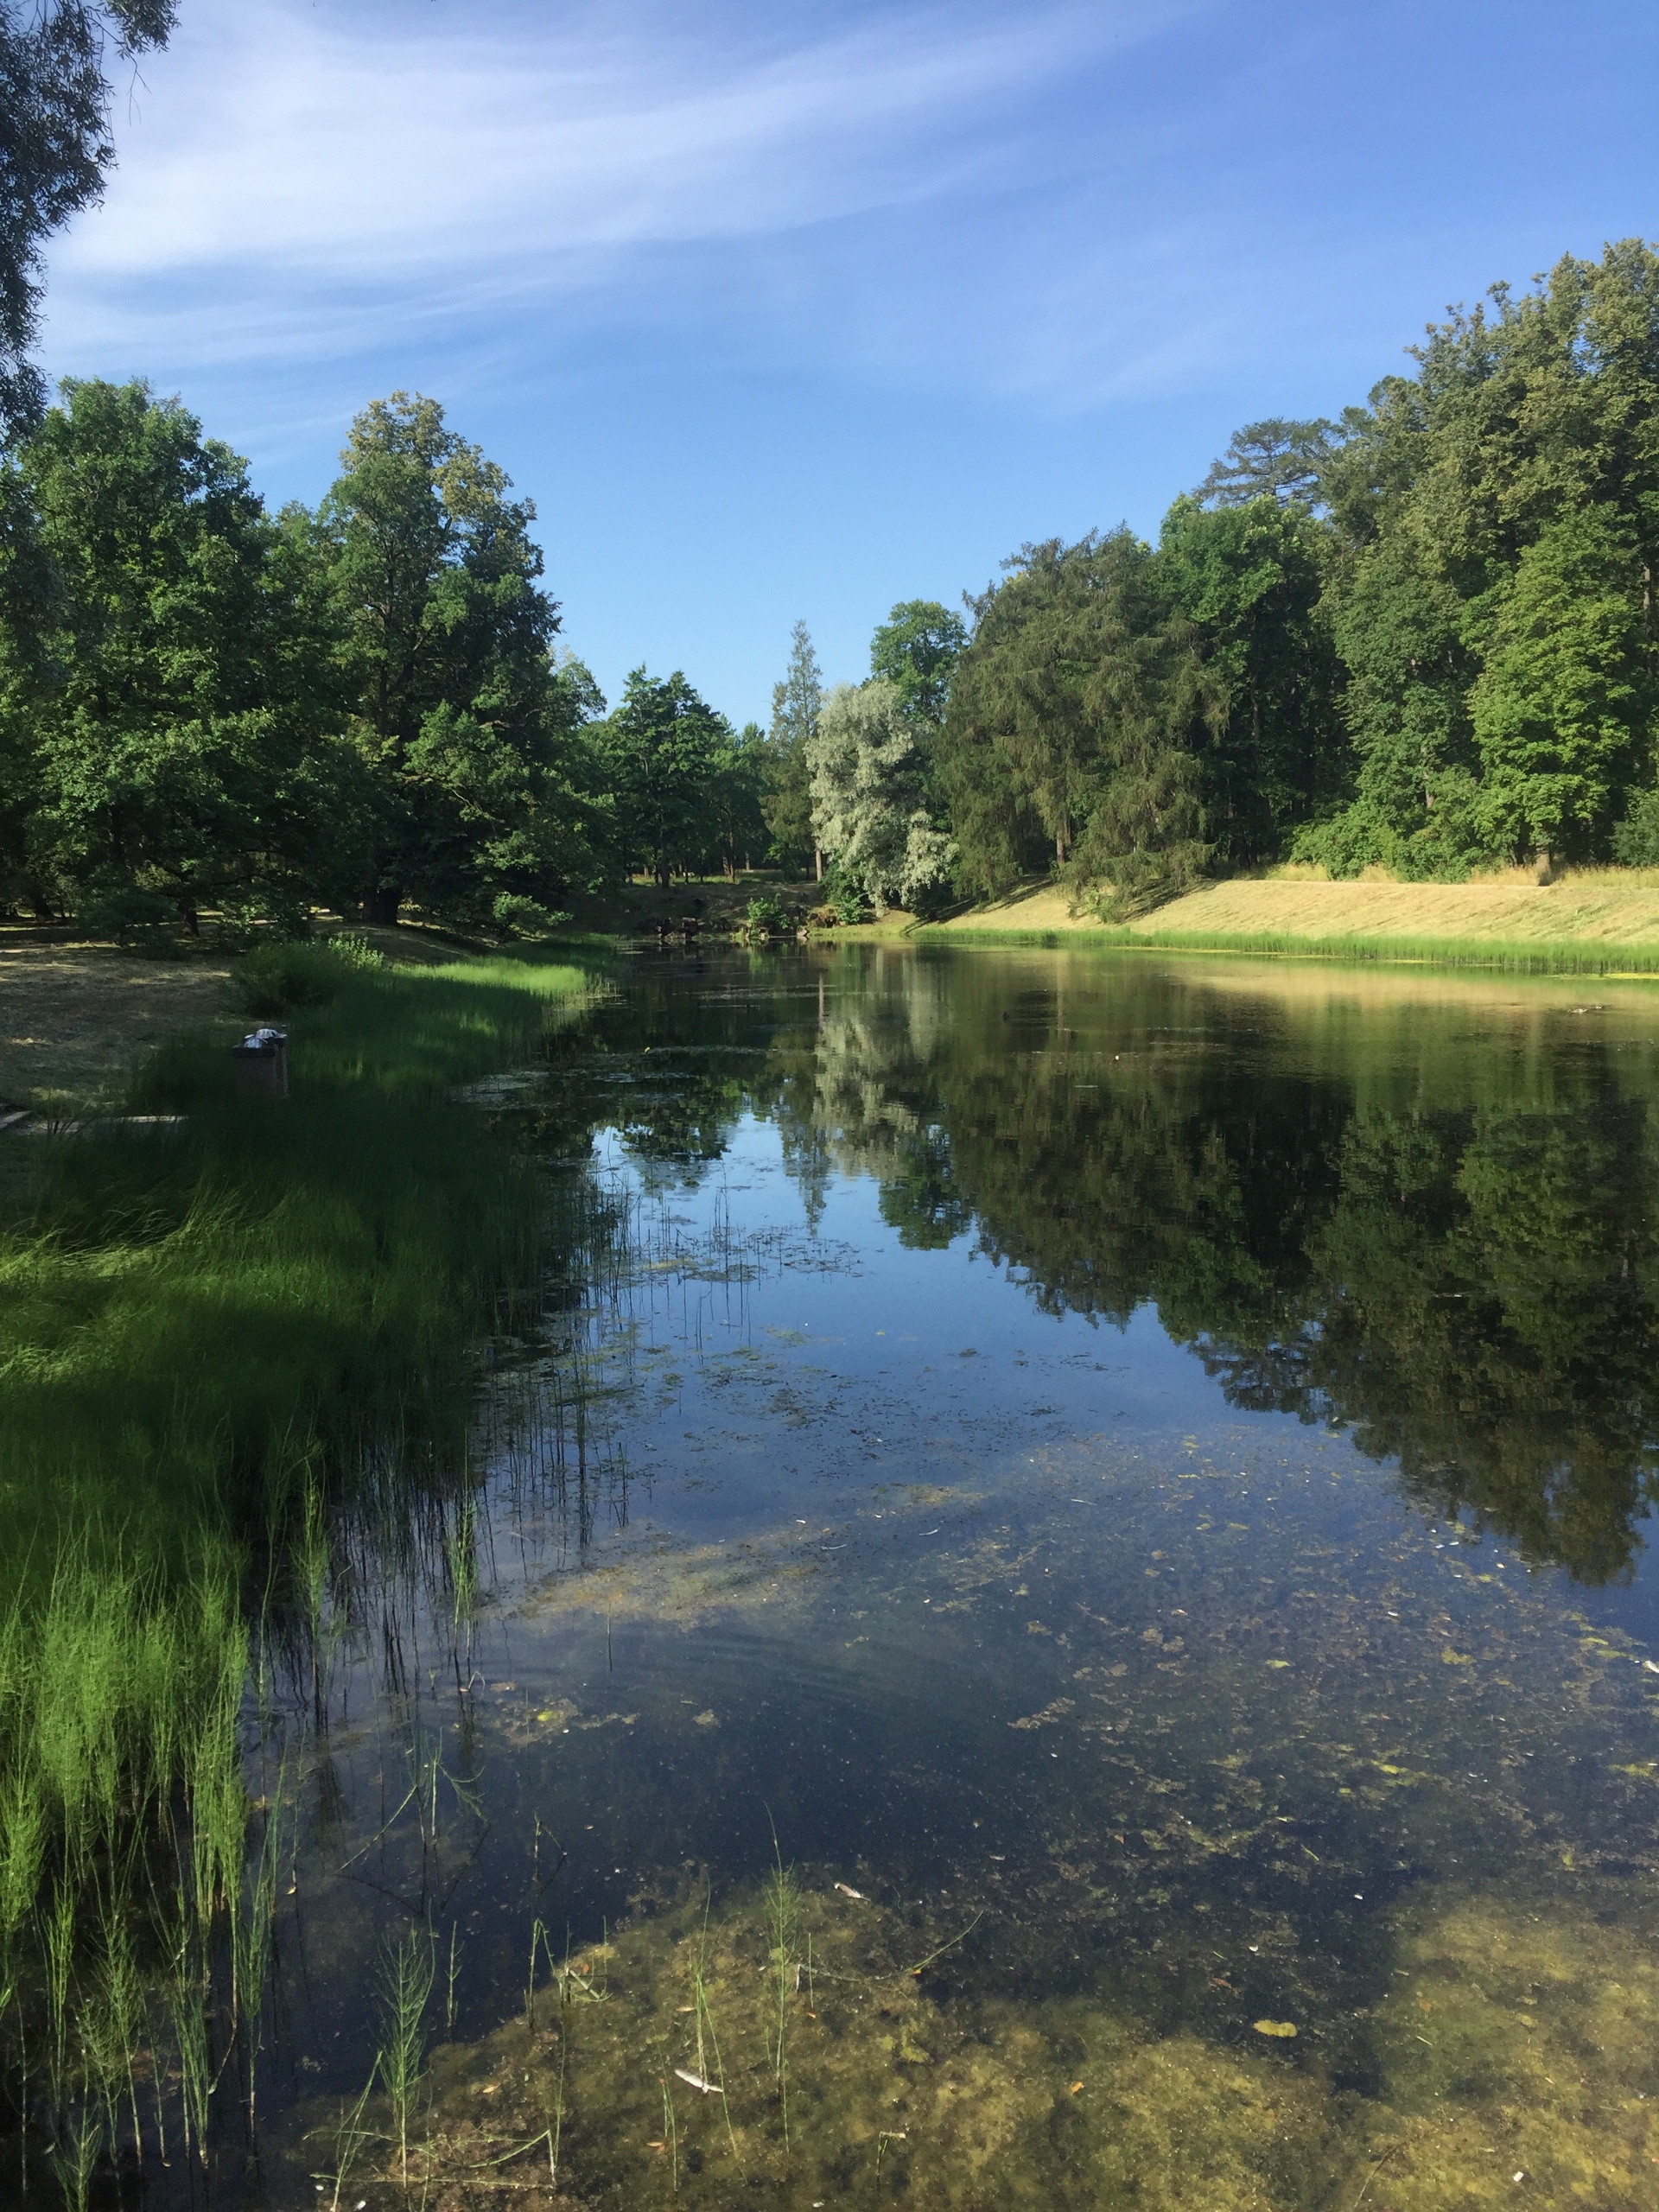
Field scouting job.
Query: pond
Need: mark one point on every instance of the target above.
(1054, 1612)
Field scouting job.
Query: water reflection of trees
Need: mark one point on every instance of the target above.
(1471, 1290)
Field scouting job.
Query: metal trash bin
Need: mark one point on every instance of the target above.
(262, 1064)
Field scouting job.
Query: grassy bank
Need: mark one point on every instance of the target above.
(205, 1312)
(1521, 956)
(1600, 923)
(210, 1331)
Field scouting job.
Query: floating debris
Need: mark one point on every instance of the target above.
(713, 2089)
(847, 1890)
(1275, 2027)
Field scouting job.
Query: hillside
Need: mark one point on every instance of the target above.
(1599, 912)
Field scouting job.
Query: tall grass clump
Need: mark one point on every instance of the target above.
(193, 1319)
(213, 1330)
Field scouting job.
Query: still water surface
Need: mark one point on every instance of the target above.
(1062, 1614)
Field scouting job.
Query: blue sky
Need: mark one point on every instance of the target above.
(782, 310)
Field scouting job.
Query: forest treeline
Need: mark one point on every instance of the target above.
(1421, 637)
(203, 705)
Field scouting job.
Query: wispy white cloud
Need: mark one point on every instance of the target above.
(917, 192)
(273, 137)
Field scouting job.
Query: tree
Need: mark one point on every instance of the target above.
(1250, 579)
(916, 650)
(736, 797)
(1273, 459)
(662, 747)
(171, 664)
(30, 612)
(1017, 728)
(1563, 698)
(55, 150)
(1494, 698)
(448, 638)
(1084, 707)
(1153, 702)
(796, 702)
(869, 797)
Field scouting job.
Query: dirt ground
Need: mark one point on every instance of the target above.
(75, 1017)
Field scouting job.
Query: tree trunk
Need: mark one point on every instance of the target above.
(817, 863)
(380, 906)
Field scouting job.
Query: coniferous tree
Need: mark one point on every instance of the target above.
(1249, 577)
(1079, 716)
(1274, 459)
(796, 702)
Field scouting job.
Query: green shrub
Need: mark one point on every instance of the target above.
(1635, 839)
(277, 978)
(263, 914)
(767, 916)
(519, 917)
(143, 920)
(846, 894)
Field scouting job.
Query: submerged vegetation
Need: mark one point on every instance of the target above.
(650, 2074)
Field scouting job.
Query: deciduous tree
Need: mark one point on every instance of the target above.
(181, 712)
(662, 747)
(55, 151)
(869, 791)
(448, 636)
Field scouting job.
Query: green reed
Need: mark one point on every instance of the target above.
(460, 1558)
(122, 2013)
(74, 2157)
(405, 1985)
(780, 1903)
(352, 2134)
(671, 2136)
(449, 1990)
(708, 2040)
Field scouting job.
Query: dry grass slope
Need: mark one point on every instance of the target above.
(1589, 920)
